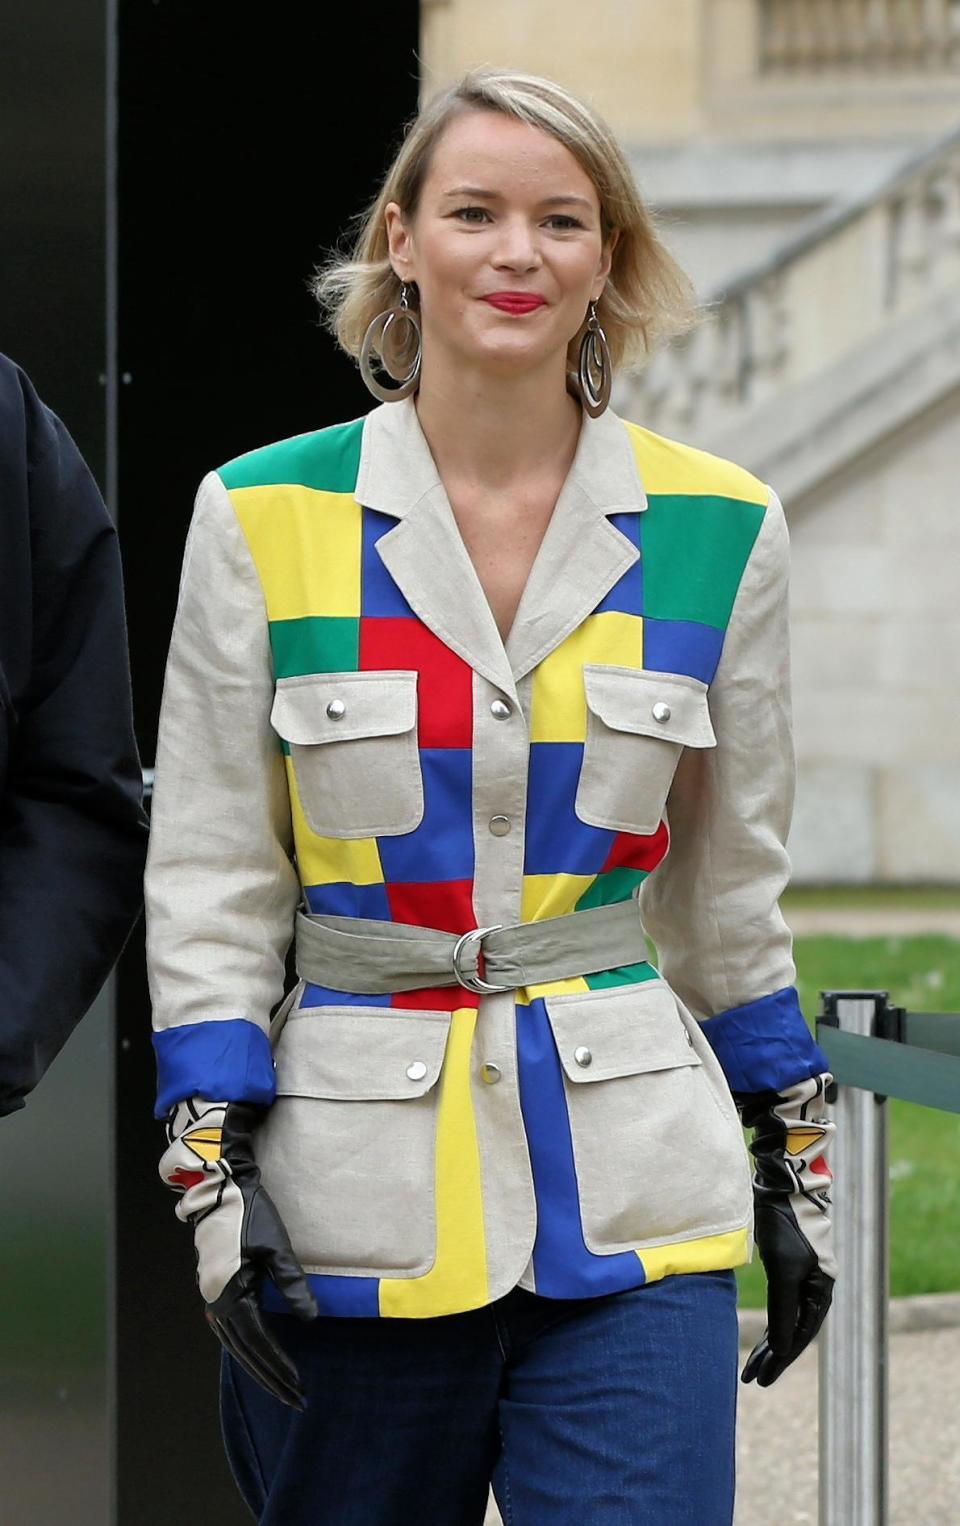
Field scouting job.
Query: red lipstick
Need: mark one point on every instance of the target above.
(516, 302)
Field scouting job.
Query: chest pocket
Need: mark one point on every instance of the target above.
(353, 745)
(638, 722)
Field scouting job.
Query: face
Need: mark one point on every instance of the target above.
(505, 245)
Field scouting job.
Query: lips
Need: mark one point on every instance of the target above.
(516, 302)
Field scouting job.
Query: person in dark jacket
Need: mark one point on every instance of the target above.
(72, 827)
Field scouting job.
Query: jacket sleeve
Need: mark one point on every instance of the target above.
(72, 828)
(221, 888)
(712, 904)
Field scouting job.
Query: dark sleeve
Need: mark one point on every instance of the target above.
(72, 827)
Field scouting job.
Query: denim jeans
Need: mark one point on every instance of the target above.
(610, 1411)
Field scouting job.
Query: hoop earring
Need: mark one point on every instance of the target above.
(595, 370)
(374, 342)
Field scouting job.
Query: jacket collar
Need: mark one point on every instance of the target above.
(579, 560)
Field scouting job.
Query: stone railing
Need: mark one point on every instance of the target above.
(804, 37)
(829, 290)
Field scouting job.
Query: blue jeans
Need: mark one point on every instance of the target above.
(610, 1411)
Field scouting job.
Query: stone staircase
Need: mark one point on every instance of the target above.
(847, 331)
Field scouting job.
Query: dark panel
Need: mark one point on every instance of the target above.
(54, 1153)
(247, 139)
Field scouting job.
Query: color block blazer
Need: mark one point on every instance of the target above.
(429, 1150)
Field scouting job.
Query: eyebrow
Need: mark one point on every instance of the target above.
(547, 201)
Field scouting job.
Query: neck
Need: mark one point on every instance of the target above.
(494, 429)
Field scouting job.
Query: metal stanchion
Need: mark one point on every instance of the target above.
(853, 1341)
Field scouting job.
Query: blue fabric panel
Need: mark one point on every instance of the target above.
(441, 847)
(558, 842)
(344, 1297)
(228, 1061)
(562, 1264)
(342, 899)
(765, 1045)
(379, 594)
(682, 646)
(328, 996)
(626, 595)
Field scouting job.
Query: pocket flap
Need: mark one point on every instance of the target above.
(373, 704)
(619, 1031)
(632, 699)
(356, 1054)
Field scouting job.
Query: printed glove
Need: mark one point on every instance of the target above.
(792, 1226)
(238, 1235)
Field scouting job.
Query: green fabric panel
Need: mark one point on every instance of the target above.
(615, 885)
(325, 459)
(315, 644)
(695, 547)
(626, 975)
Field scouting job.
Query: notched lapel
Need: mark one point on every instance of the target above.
(427, 559)
(579, 560)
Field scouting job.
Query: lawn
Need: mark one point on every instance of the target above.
(921, 973)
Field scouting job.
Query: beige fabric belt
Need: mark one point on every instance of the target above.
(361, 954)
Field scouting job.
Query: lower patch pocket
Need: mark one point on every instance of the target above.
(347, 1149)
(657, 1143)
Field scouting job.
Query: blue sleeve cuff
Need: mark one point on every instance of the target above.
(765, 1045)
(227, 1061)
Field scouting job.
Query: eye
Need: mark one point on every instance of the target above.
(564, 222)
(466, 214)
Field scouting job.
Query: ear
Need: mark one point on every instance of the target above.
(399, 242)
(606, 262)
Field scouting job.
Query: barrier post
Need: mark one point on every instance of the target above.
(853, 1341)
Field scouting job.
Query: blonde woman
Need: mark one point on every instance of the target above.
(462, 695)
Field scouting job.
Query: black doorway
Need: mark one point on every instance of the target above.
(242, 140)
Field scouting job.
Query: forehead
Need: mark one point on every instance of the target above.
(486, 148)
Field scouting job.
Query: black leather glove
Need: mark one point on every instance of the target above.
(238, 1234)
(792, 1227)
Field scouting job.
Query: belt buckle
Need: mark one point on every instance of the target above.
(473, 982)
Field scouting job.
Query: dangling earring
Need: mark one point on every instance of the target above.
(375, 341)
(595, 371)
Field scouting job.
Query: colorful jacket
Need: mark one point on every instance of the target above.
(429, 1150)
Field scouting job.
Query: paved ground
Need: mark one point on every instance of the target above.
(873, 921)
(777, 1429)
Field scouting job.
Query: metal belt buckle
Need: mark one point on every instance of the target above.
(473, 982)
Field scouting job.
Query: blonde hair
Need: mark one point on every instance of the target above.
(647, 297)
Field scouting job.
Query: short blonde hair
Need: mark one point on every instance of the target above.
(647, 298)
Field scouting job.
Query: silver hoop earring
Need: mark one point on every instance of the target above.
(375, 343)
(595, 371)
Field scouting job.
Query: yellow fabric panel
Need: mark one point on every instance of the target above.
(307, 546)
(331, 860)
(527, 994)
(551, 895)
(458, 1278)
(558, 706)
(711, 1254)
(667, 466)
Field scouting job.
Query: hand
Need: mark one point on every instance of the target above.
(791, 1223)
(798, 1291)
(239, 1236)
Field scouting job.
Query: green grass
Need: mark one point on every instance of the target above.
(922, 974)
(885, 897)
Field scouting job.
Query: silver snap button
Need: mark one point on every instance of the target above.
(491, 1073)
(661, 712)
(501, 710)
(336, 709)
(416, 1070)
(499, 825)
(582, 1055)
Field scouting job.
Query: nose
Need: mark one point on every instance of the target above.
(517, 247)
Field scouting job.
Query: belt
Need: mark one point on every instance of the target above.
(361, 954)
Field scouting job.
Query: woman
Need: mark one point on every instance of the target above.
(480, 680)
